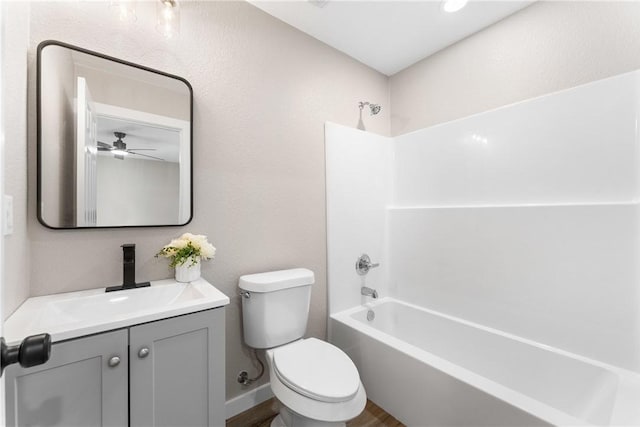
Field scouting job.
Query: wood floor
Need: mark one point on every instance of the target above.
(261, 416)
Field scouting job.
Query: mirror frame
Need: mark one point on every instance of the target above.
(46, 43)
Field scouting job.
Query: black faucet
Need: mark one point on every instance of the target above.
(129, 264)
(128, 270)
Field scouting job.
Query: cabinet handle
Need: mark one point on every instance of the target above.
(114, 361)
(143, 352)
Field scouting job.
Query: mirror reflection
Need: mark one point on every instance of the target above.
(114, 142)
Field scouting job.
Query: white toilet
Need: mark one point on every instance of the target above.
(316, 383)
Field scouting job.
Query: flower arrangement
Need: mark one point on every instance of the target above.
(188, 248)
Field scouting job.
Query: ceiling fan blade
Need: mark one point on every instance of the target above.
(104, 146)
(145, 155)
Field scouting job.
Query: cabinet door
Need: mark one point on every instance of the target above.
(177, 371)
(76, 387)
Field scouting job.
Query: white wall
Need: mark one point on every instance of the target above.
(526, 220)
(359, 185)
(576, 146)
(133, 191)
(523, 218)
(564, 276)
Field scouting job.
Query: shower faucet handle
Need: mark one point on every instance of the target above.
(364, 264)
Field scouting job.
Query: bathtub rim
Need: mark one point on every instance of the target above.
(519, 400)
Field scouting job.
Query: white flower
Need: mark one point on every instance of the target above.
(188, 246)
(196, 240)
(200, 242)
(179, 243)
(186, 236)
(207, 251)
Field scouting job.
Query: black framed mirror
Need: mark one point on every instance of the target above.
(114, 142)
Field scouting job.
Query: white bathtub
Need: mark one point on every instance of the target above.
(427, 368)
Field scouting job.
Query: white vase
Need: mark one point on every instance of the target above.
(188, 272)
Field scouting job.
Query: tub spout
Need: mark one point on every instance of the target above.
(369, 292)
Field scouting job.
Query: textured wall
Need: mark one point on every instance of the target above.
(544, 48)
(17, 260)
(262, 92)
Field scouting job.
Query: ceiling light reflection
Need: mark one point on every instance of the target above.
(451, 6)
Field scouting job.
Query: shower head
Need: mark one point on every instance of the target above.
(375, 108)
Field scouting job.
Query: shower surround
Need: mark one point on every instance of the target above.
(523, 220)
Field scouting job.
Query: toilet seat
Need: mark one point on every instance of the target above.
(318, 370)
(311, 408)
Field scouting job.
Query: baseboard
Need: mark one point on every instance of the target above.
(248, 400)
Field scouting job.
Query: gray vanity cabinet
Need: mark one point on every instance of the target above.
(162, 373)
(177, 371)
(80, 385)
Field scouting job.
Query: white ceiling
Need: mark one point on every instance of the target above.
(388, 36)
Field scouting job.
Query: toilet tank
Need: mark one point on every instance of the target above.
(275, 306)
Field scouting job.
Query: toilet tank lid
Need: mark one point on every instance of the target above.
(276, 280)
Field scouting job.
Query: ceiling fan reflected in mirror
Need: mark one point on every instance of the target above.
(119, 148)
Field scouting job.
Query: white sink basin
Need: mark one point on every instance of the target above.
(75, 314)
(114, 304)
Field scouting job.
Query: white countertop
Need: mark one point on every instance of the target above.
(75, 314)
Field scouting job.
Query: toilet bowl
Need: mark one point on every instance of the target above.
(315, 382)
